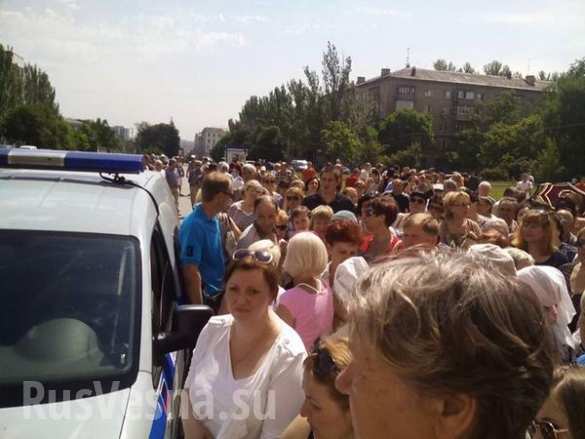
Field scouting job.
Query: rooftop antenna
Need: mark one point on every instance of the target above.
(528, 72)
(408, 57)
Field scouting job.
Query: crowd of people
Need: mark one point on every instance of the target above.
(382, 302)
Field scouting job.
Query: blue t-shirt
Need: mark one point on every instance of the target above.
(201, 245)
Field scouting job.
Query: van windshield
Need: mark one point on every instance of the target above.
(69, 308)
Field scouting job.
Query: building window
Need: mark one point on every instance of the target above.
(479, 96)
(428, 93)
(448, 94)
(428, 108)
(469, 95)
(401, 105)
(461, 94)
(406, 92)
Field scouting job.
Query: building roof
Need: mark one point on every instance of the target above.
(462, 78)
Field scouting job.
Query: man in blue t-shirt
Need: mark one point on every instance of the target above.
(202, 257)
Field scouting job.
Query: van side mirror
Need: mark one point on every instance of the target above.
(188, 321)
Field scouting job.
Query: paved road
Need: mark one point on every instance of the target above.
(184, 202)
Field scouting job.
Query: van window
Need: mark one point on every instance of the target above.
(163, 295)
(70, 310)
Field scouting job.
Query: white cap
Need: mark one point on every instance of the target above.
(346, 276)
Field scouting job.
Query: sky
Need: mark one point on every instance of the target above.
(197, 62)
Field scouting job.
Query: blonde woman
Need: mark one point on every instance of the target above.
(457, 230)
(537, 234)
(308, 306)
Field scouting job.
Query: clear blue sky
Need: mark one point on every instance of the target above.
(198, 61)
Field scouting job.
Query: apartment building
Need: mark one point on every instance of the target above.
(450, 97)
(206, 139)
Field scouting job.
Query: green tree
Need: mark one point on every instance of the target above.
(340, 142)
(336, 82)
(468, 68)
(37, 125)
(98, 134)
(548, 166)
(268, 144)
(162, 136)
(442, 65)
(405, 127)
(496, 68)
(564, 115)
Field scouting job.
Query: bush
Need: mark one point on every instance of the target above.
(495, 174)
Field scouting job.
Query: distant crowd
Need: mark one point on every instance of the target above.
(382, 302)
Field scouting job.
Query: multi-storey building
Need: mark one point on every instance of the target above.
(450, 97)
(121, 132)
(206, 139)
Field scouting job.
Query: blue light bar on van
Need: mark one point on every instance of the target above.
(82, 161)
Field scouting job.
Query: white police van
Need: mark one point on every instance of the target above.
(93, 343)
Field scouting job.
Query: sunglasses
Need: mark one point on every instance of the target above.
(418, 200)
(229, 194)
(370, 212)
(261, 256)
(324, 367)
(282, 227)
(547, 430)
(293, 198)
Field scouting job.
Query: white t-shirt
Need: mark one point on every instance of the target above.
(524, 186)
(259, 406)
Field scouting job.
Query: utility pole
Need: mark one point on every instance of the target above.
(407, 57)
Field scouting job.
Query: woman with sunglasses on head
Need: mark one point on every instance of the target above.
(242, 212)
(325, 413)
(308, 306)
(538, 235)
(457, 230)
(246, 373)
(562, 415)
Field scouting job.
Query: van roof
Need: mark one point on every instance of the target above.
(77, 201)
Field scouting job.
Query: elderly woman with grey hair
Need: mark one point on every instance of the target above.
(445, 347)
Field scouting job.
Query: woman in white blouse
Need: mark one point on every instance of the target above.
(245, 379)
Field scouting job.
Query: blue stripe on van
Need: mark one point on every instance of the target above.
(159, 423)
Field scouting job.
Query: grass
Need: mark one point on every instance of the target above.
(498, 188)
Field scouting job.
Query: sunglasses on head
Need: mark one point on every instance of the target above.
(547, 430)
(370, 211)
(261, 256)
(324, 367)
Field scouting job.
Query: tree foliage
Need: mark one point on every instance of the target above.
(162, 137)
(443, 65)
(38, 125)
(403, 128)
(27, 85)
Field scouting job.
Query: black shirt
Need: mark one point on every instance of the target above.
(556, 260)
(339, 203)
